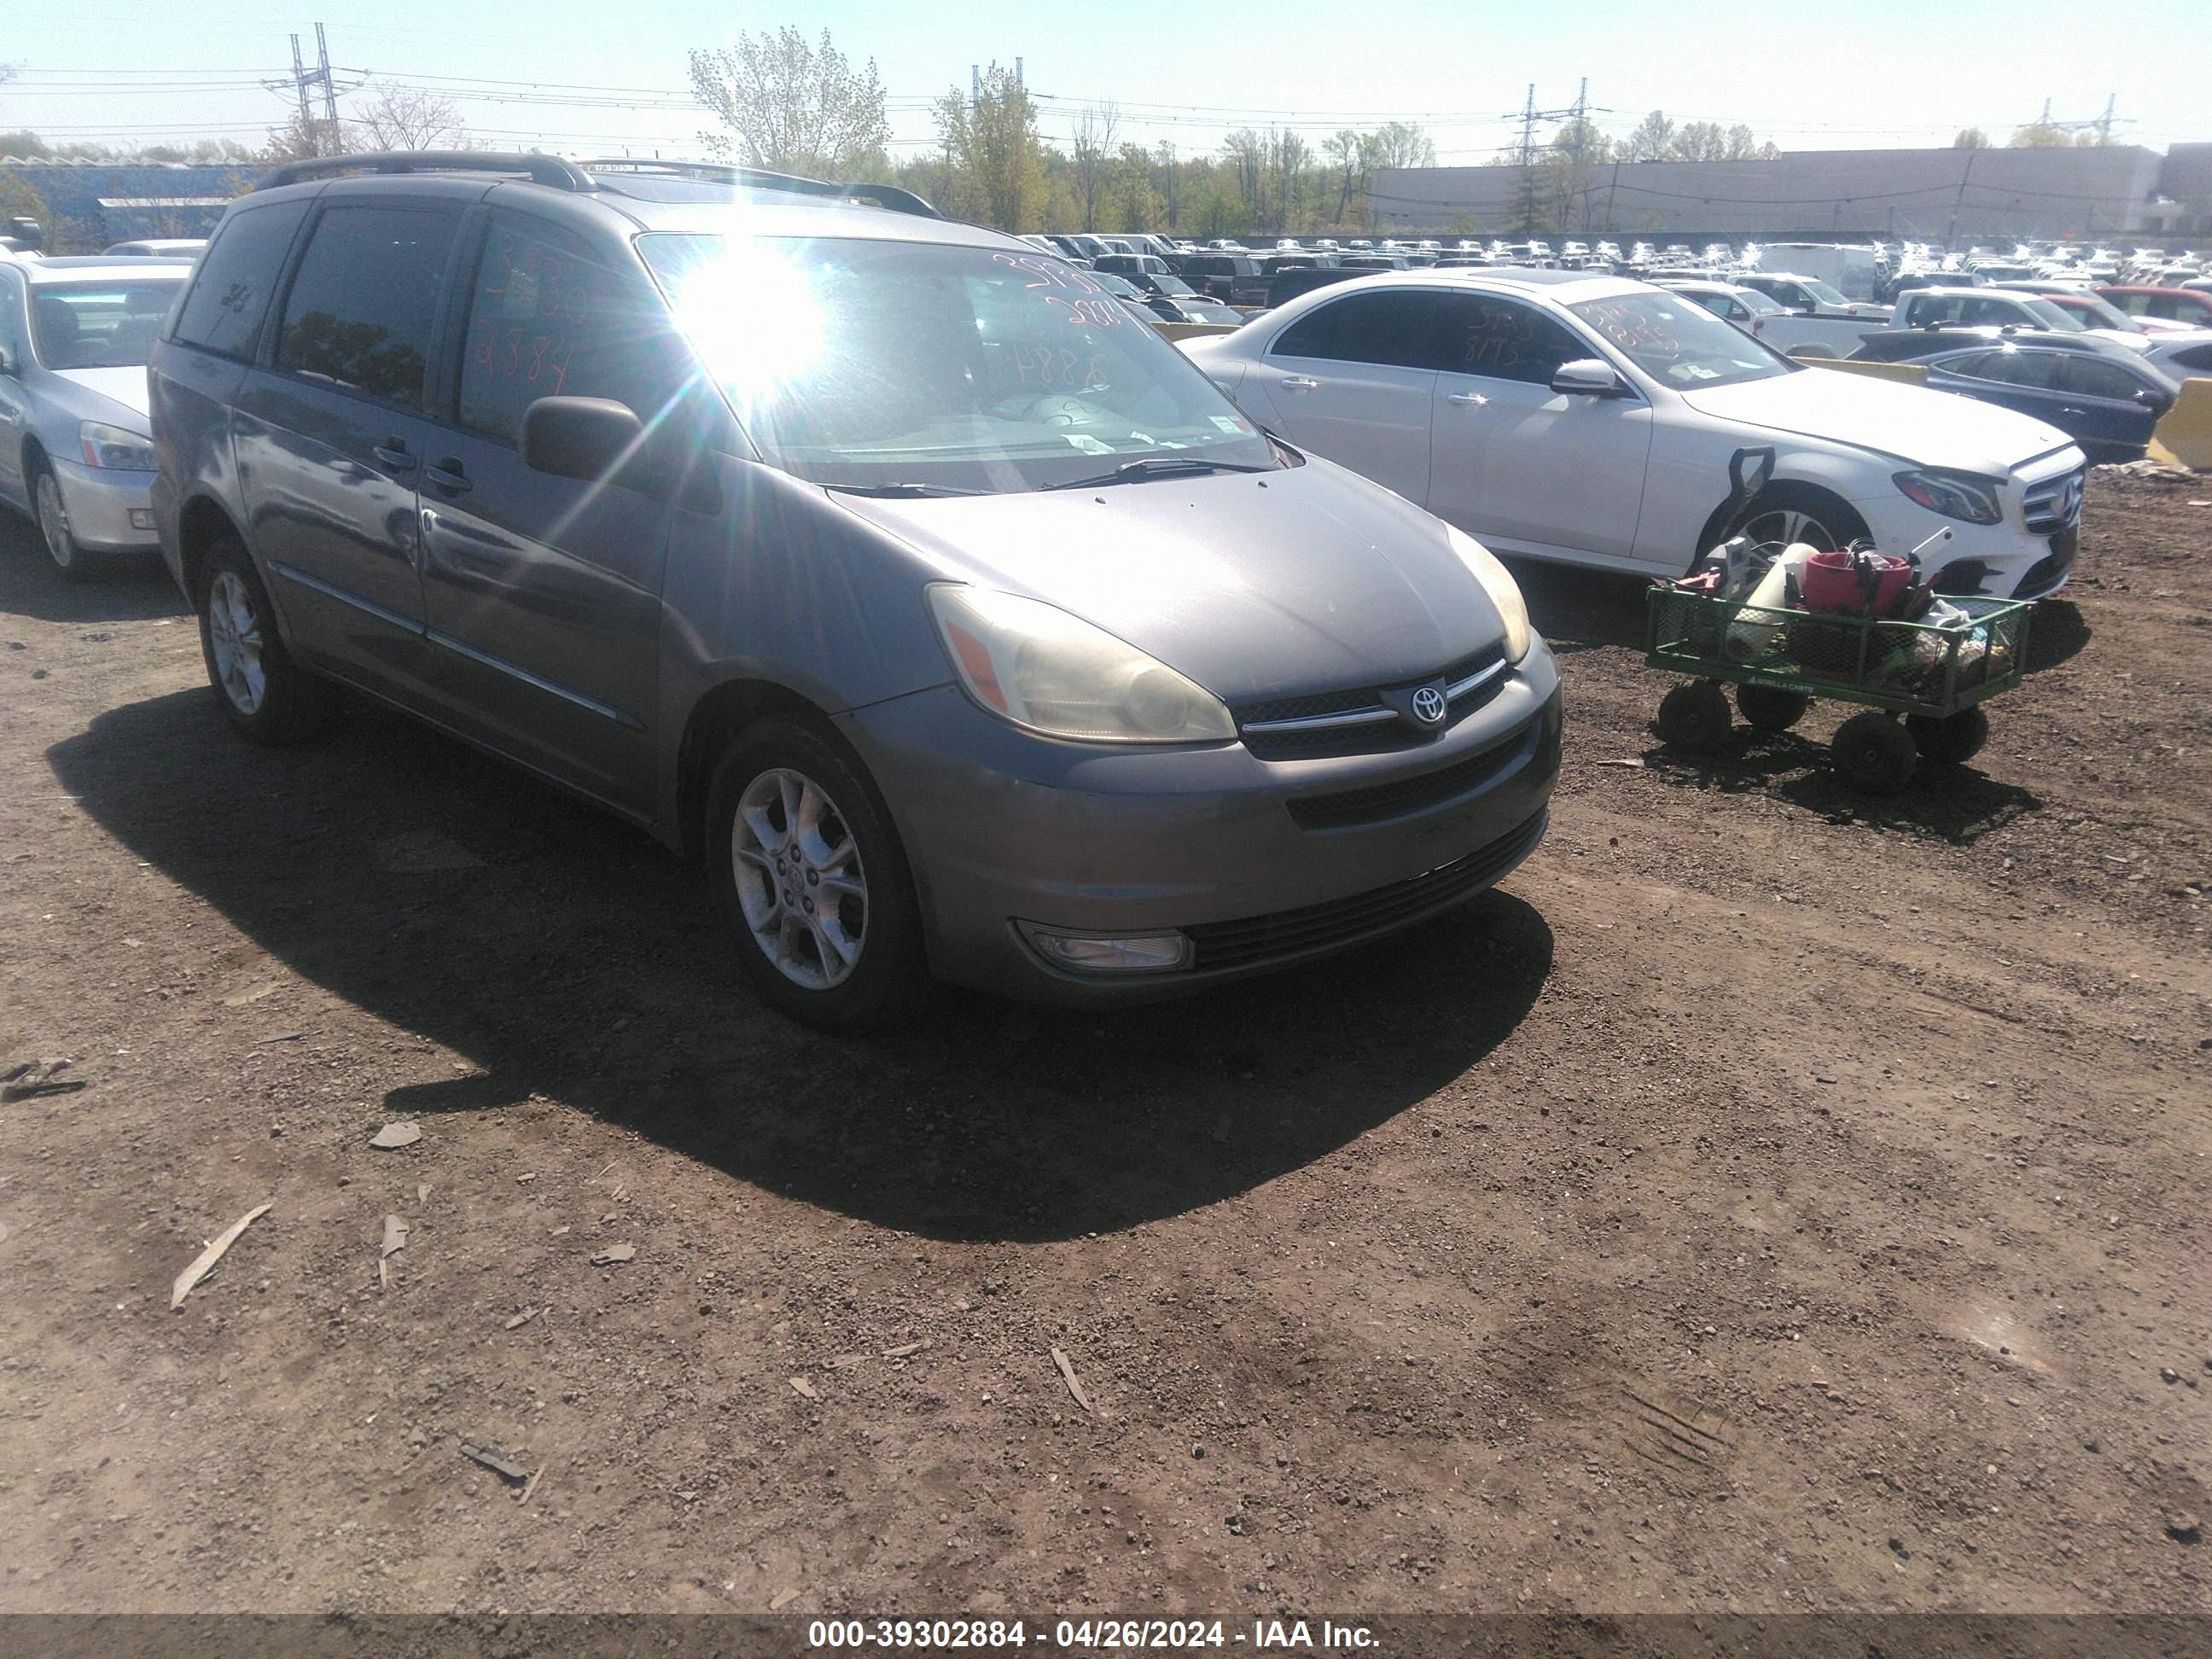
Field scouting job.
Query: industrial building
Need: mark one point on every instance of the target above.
(1924, 195)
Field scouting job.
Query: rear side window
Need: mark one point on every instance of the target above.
(359, 312)
(230, 292)
(2197, 359)
(1396, 328)
(2038, 370)
(546, 319)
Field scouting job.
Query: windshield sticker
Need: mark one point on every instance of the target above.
(1087, 443)
(1228, 424)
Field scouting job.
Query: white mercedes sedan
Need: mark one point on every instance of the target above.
(1591, 420)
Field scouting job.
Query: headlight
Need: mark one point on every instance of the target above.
(1033, 664)
(1955, 494)
(1497, 582)
(112, 446)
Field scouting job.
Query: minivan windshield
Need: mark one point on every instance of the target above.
(860, 362)
(1678, 342)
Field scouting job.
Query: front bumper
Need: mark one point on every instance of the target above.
(109, 511)
(2006, 560)
(1001, 826)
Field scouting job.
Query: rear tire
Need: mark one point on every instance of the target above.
(71, 562)
(1873, 753)
(1695, 718)
(1950, 741)
(260, 689)
(810, 877)
(1770, 710)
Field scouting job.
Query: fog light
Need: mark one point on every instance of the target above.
(1109, 953)
(142, 517)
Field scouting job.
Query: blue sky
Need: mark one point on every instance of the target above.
(610, 76)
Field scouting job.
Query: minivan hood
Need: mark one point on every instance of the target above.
(126, 386)
(1930, 428)
(1308, 579)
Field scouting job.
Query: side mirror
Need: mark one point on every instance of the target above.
(587, 438)
(1587, 377)
(2148, 398)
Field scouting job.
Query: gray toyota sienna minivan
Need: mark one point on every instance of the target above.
(941, 605)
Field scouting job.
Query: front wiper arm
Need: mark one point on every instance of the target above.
(1154, 466)
(900, 488)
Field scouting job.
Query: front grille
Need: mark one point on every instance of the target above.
(1384, 733)
(1383, 801)
(1344, 920)
(2055, 504)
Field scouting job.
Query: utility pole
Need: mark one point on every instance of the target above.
(1527, 162)
(2104, 121)
(300, 86)
(329, 86)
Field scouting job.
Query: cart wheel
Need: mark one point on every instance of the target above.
(1695, 718)
(1770, 710)
(1959, 738)
(1873, 752)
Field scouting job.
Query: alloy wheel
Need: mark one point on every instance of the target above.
(235, 636)
(799, 879)
(1789, 524)
(54, 525)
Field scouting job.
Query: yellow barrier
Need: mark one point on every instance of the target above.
(1191, 330)
(1905, 374)
(2184, 437)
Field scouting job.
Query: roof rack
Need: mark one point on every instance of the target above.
(548, 170)
(890, 197)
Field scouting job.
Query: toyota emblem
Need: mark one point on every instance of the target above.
(1428, 705)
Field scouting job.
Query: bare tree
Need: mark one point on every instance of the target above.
(792, 107)
(1971, 138)
(1095, 131)
(401, 116)
(302, 138)
(1653, 139)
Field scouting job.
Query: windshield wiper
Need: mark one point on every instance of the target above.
(1154, 466)
(900, 488)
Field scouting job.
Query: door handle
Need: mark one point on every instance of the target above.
(392, 451)
(2075, 412)
(1300, 383)
(1465, 399)
(448, 476)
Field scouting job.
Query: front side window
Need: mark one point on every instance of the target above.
(1823, 294)
(359, 313)
(861, 362)
(1502, 339)
(108, 325)
(1391, 327)
(11, 320)
(1678, 344)
(546, 319)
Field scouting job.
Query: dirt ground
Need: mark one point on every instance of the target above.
(1768, 1200)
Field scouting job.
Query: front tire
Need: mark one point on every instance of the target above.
(810, 877)
(260, 689)
(71, 562)
(1873, 753)
(1951, 741)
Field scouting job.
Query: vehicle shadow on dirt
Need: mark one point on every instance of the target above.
(1952, 803)
(565, 955)
(135, 588)
(1583, 610)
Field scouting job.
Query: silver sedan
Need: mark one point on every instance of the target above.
(75, 449)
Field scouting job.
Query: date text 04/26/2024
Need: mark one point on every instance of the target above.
(1090, 1635)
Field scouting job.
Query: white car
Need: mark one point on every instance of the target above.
(1591, 420)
